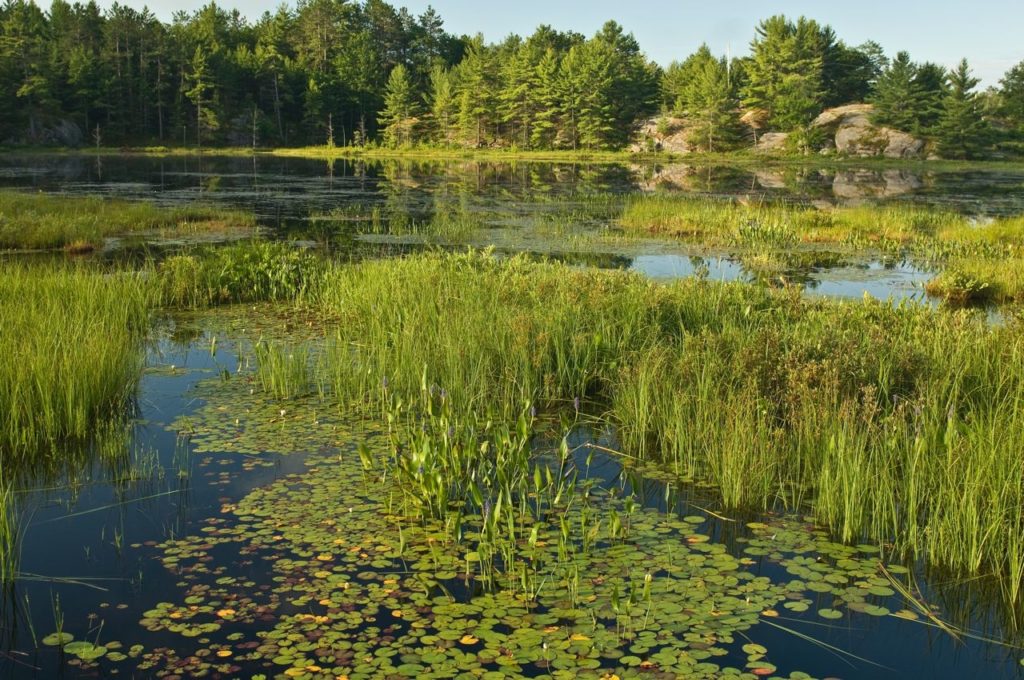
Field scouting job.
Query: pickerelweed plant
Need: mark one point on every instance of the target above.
(485, 482)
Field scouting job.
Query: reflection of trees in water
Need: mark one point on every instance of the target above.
(593, 260)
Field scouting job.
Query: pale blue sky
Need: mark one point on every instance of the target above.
(990, 33)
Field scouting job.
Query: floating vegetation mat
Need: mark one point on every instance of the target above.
(317, 575)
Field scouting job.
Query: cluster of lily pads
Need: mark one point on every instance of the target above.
(349, 575)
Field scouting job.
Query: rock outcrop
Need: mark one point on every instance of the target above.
(664, 133)
(855, 135)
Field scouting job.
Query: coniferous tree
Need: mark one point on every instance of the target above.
(442, 103)
(681, 77)
(477, 98)
(713, 107)
(545, 88)
(199, 89)
(516, 100)
(784, 72)
(584, 85)
(397, 119)
(1011, 95)
(898, 95)
(962, 131)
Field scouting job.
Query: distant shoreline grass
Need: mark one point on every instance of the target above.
(743, 158)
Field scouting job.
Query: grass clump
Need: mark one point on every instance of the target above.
(895, 424)
(70, 352)
(979, 281)
(81, 224)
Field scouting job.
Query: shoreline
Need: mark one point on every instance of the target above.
(428, 155)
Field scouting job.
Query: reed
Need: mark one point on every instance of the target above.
(71, 351)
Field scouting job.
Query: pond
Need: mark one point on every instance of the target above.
(232, 535)
(224, 534)
(564, 211)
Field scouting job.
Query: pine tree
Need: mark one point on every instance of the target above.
(784, 72)
(442, 103)
(516, 101)
(713, 107)
(477, 101)
(545, 88)
(584, 84)
(681, 78)
(898, 96)
(1011, 107)
(962, 131)
(199, 91)
(398, 117)
(932, 82)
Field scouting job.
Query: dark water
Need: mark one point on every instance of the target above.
(566, 211)
(90, 554)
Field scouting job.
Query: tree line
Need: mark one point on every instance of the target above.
(340, 72)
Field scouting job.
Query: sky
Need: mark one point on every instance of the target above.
(987, 32)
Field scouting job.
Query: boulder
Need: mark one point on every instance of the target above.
(772, 142)
(58, 132)
(664, 133)
(855, 135)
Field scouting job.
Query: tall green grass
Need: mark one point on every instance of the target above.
(8, 535)
(47, 221)
(895, 424)
(71, 350)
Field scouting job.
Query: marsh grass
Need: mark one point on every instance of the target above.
(929, 231)
(283, 370)
(892, 423)
(970, 281)
(80, 224)
(71, 351)
(9, 535)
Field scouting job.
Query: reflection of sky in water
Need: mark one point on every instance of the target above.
(882, 282)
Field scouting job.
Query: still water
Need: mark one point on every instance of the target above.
(564, 211)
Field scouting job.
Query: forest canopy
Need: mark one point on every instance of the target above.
(340, 72)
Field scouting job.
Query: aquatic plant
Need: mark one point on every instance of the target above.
(871, 414)
(922, 229)
(256, 271)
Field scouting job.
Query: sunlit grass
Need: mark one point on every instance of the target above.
(884, 226)
(47, 221)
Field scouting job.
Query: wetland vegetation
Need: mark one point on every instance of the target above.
(358, 450)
